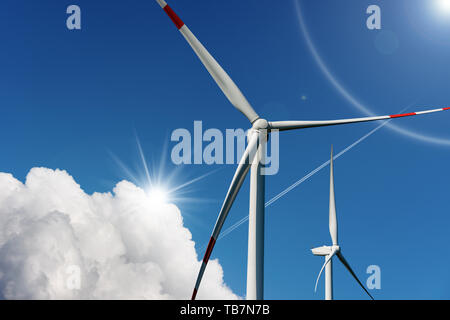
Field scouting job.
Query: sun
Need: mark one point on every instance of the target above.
(443, 5)
(158, 196)
(160, 187)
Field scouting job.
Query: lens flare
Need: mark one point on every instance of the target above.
(352, 99)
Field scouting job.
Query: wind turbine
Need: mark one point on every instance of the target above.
(329, 251)
(252, 160)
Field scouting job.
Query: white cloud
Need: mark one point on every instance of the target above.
(121, 247)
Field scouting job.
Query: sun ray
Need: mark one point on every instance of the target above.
(160, 184)
(144, 162)
(124, 168)
(193, 180)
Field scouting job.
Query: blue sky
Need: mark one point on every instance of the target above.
(71, 99)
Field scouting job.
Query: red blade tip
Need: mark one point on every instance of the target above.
(403, 115)
(194, 294)
(174, 17)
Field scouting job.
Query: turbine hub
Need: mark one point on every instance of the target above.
(260, 124)
(336, 248)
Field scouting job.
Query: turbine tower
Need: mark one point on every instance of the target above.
(329, 251)
(251, 160)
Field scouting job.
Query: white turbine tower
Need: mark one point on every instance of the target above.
(329, 251)
(253, 158)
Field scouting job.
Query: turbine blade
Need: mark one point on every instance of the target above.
(222, 79)
(291, 125)
(323, 267)
(345, 263)
(236, 183)
(332, 217)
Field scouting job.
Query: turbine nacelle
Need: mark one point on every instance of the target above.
(325, 250)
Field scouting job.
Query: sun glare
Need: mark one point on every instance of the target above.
(160, 187)
(158, 196)
(443, 5)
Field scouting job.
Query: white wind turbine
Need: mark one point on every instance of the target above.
(252, 158)
(329, 251)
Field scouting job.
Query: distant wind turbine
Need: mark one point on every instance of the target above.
(252, 160)
(329, 251)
